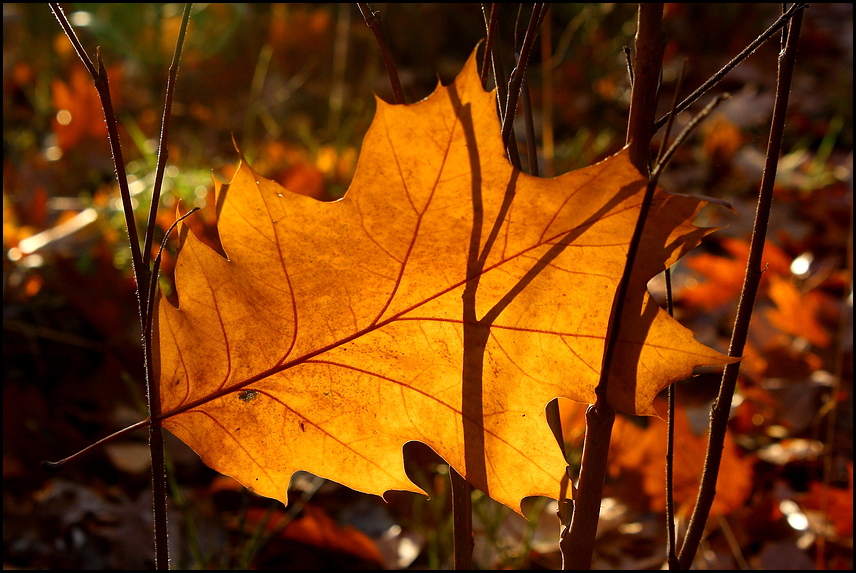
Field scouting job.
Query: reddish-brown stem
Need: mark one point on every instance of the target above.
(462, 521)
(102, 86)
(147, 334)
(159, 497)
(531, 148)
(515, 81)
(156, 431)
(577, 543)
(670, 440)
(498, 68)
(499, 81)
(163, 152)
(146, 280)
(159, 494)
(373, 22)
(488, 44)
(671, 541)
(722, 404)
(647, 67)
(106, 440)
(547, 148)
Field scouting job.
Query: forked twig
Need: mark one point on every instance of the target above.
(145, 278)
(596, 415)
(147, 335)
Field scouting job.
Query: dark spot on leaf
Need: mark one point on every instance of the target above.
(302, 427)
(247, 395)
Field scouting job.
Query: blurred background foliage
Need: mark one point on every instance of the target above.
(293, 86)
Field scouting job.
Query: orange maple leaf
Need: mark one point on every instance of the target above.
(447, 298)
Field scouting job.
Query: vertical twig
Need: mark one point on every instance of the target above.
(647, 68)
(159, 497)
(531, 148)
(163, 151)
(141, 274)
(528, 121)
(373, 22)
(102, 86)
(488, 44)
(671, 533)
(499, 81)
(722, 404)
(670, 440)
(515, 81)
(577, 543)
(145, 278)
(498, 68)
(462, 521)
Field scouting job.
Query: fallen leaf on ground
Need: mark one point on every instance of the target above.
(315, 527)
(796, 313)
(724, 276)
(642, 451)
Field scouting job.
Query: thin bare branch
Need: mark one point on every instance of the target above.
(531, 148)
(462, 521)
(163, 152)
(670, 440)
(547, 146)
(92, 447)
(102, 86)
(72, 36)
(515, 81)
(577, 541)
(747, 51)
(663, 162)
(647, 69)
(488, 44)
(671, 532)
(499, 81)
(722, 404)
(373, 22)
